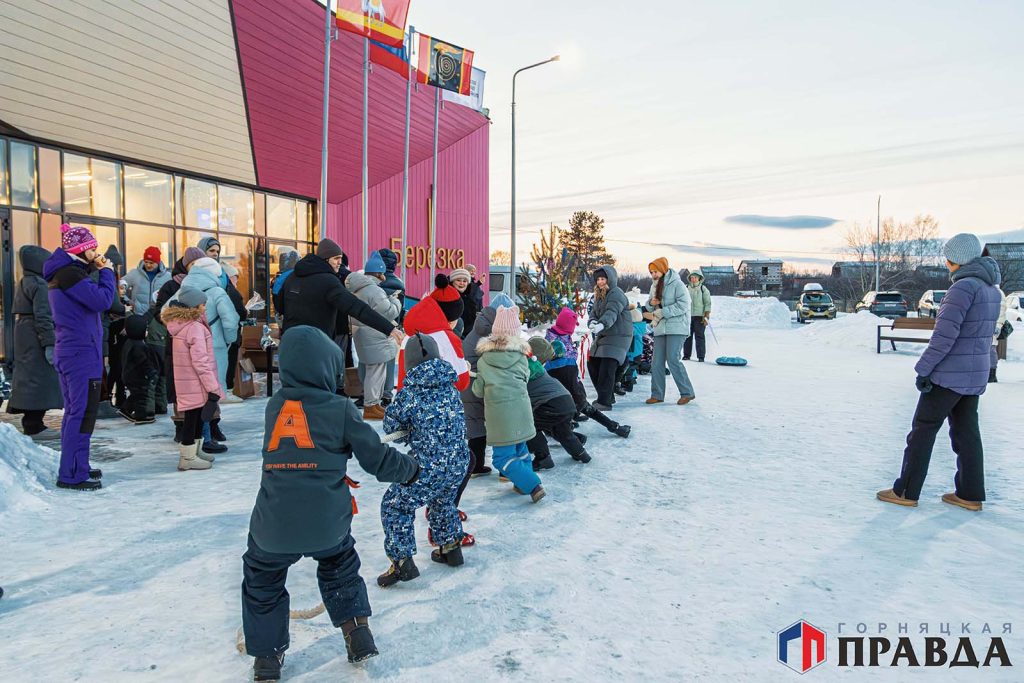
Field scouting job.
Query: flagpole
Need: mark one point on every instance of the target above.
(433, 188)
(328, 37)
(366, 147)
(405, 168)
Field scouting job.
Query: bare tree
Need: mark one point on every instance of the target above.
(500, 257)
(899, 250)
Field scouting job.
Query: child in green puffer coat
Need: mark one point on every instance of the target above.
(502, 374)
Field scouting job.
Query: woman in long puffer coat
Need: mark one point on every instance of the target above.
(612, 327)
(668, 310)
(35, 387)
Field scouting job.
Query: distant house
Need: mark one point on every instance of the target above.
(1010, 256)
(764, 276)
(937, 272)
(853, 269)
(720, 276)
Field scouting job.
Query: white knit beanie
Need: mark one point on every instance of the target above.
(962, 249)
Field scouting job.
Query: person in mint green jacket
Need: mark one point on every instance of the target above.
(668, 310)
(700, 312)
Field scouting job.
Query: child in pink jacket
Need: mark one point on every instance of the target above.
(196, 386)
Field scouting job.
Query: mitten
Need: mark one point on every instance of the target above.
(210, 409)
(924, 384)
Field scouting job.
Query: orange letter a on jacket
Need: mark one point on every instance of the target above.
(291, 422)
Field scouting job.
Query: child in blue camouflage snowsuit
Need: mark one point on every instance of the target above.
(430, 409)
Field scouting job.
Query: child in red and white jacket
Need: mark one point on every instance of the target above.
(436, 316)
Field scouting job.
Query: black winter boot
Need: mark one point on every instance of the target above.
(177, 431)
(402, 570)
(582, 456)
(450, 554)
(214, 447)
(582, 438)
(267, 668)
(992, 376)
(543, 462)
(215, 432)
(359, 640)
(622, 430)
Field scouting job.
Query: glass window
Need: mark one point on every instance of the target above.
(49, 230)
(302, 220)
(23, 175)
(147, 195)
(277, 250)
(199, 204)
(280, 217)
(106, 236)
(49, 179)
(238, 253)
(138, 237)
(235, 209)
(23, 231)
(260, 214)
(189, 238)
(4, 196)
(92, 186)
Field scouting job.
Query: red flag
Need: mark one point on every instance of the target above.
(393, 58)
(444, 65)
(380, 20)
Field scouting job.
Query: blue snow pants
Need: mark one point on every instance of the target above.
(81, 401)
(436, 487)
(514, 462)
(266, 603)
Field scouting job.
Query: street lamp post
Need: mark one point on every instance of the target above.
(512, 256)
(878, 244)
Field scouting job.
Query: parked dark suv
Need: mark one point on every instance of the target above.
(884, 304)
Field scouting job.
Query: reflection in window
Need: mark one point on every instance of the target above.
(138, 237)
(23, 175)
(4, 196)
(147, 195)
(49, 230)
(23, 230)
(302, 219)
(199, 204)
(237, 252)
(280, 217)
(235, 209)
(49, 179)
(92, 186)
(189, 238)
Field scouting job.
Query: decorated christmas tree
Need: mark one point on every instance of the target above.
(551, 281)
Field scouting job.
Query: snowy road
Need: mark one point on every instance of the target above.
(674, 555)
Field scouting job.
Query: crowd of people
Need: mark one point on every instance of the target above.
(448, 377)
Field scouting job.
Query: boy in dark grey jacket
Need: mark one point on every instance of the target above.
(304, 508)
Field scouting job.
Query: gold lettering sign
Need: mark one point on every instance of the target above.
(418, 258)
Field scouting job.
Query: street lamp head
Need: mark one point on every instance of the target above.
(556, 58)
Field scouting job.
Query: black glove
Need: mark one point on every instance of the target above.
(210, 409)
(924, 384)
(414, 477)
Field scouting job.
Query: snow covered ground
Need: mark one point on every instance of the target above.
(675, 555)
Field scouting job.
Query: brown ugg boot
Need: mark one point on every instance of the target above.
(889, 496)
(651, 401)
(373, 413)
(953, 499)
(684, 400)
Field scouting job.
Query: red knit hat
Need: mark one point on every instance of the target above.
(151, 254)
(447, 297)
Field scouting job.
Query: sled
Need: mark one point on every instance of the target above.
(732, 361)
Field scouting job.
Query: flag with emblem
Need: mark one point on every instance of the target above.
(379, 20)
(444, 65)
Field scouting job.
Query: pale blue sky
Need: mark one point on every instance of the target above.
(667, 118)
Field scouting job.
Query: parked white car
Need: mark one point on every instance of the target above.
(1015, 307)
(928, 306)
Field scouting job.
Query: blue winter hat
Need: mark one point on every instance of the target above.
(374, 264)
(501, 299)
(962, 248)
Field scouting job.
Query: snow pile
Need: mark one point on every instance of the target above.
(856, 331)
(26, 469)
(768, 312)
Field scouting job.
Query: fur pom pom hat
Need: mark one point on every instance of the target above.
(447, 297)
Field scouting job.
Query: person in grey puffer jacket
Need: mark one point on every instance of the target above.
(951, 376)
(144, 284)
(612, 327)
(668, 310)
(375, 350)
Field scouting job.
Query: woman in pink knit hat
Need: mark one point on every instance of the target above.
(78, 303)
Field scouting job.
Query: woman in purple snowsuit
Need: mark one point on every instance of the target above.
(78, 303)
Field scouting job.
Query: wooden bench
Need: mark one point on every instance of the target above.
(923, 324)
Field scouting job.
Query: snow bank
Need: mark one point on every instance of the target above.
(768, 312)
(854, 331)
(26, 469)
